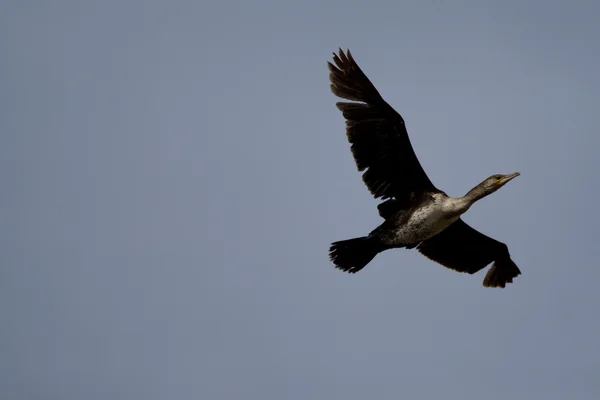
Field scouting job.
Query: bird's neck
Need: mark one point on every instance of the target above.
(461, 205)
(475, 194)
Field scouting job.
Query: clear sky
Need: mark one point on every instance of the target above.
(173, 173)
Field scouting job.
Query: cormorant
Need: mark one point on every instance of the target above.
(417, 214)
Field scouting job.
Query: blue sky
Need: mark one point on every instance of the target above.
(174, 172)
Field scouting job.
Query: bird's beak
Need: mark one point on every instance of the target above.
(508, 178)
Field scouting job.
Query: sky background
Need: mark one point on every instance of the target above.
(173, 173)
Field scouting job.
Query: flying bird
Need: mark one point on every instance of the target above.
(416, 213)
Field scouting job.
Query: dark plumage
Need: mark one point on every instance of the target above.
(416, 213)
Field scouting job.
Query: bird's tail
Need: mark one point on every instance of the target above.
(354, 254)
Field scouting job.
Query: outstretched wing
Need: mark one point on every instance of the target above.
(378, 135)
(463, 249)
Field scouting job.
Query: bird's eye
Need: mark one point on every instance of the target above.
(498, 177)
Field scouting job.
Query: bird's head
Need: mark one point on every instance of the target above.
(495, 182)
(490, 185)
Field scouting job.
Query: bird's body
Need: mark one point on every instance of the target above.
(416, 213)
(426, 218)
